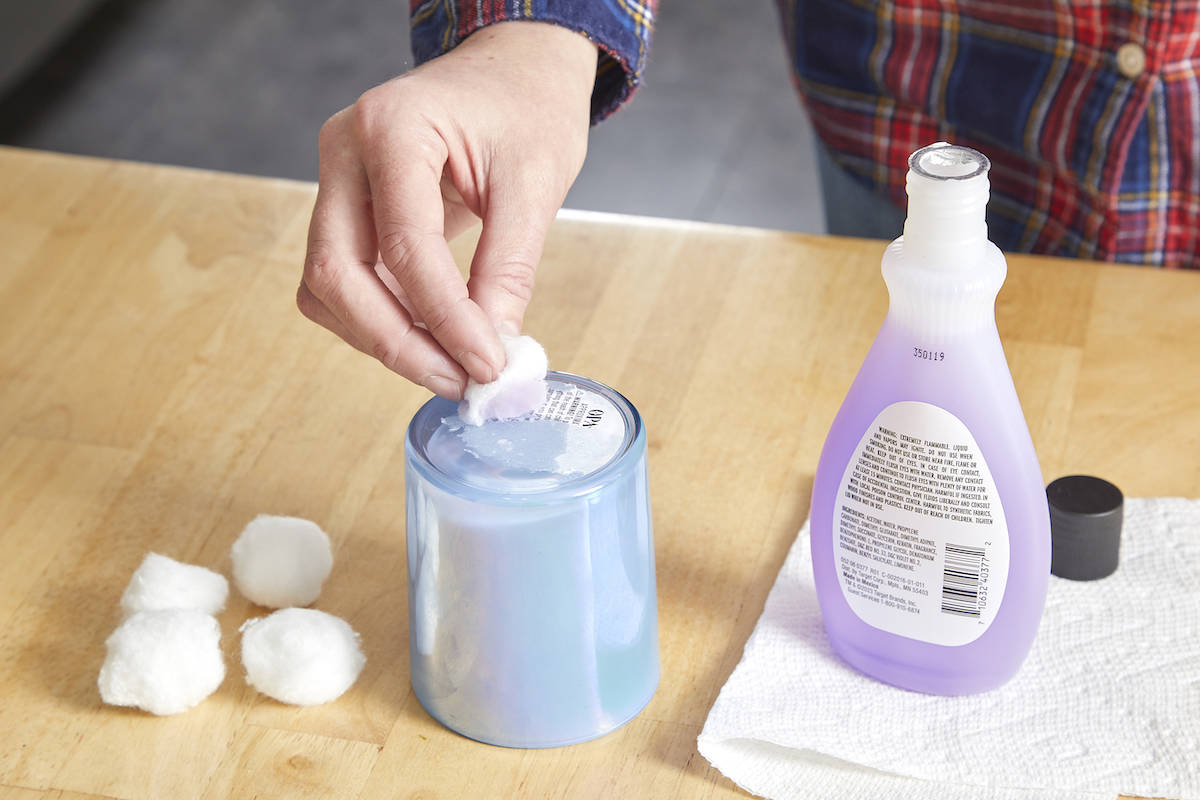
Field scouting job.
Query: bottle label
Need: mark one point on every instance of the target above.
(920, 539)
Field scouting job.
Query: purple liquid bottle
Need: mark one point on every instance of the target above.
(930, 529)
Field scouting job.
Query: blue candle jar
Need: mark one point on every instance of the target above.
(533, 615)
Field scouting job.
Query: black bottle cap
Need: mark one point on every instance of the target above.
(1085, 526)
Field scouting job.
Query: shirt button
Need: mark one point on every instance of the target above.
(1131, 60)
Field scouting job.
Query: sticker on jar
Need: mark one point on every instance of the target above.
(575, 432)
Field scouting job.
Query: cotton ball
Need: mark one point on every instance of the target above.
(163, 661)
(162, 583)
(520, 388)
(301, 656)
(281, 561)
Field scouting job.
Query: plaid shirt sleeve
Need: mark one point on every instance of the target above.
(620, 28)
(1090, 112)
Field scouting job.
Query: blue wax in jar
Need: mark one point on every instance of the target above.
(533, 617)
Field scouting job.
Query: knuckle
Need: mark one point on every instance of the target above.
(364, 113)
(441, 317)
(399, 245)
(515, 279)
(372, 112)
(322, 272)
(307, 302)
(332, 134)
(385, 352)
(329, 134)
(391, 351)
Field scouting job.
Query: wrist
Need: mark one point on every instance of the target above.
(555, 50)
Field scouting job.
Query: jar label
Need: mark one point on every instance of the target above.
(919, 532)
(575, 433)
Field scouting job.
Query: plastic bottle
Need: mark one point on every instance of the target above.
(930, 529)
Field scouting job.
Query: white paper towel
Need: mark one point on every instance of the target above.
(1107, 703)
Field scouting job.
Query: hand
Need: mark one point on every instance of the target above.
(496, 130)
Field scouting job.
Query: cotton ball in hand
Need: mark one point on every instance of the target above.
(281, 561)
(519, 389)
(163, 662)
(161, 583)
(301, 656)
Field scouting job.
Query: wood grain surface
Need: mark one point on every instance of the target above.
(158, 389)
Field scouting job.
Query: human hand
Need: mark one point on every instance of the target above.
(496, 130)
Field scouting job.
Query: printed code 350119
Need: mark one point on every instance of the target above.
(929, 355)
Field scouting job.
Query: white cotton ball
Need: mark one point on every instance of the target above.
(281, 561)
(301, 656)
(163, 662)
(162, 583)
(520, 388)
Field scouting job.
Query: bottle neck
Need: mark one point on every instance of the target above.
(947, 196)
(943, 273)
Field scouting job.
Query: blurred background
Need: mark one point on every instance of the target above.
(716, 133)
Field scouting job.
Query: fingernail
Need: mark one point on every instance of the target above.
(510, 329)
(443, 386)
(476, 367)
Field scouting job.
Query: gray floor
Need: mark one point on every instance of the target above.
(716, 134)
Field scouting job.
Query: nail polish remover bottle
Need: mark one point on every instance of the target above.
(930, 528)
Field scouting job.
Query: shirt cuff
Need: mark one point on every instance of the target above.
(621, 30)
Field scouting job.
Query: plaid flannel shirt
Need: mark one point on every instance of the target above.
(1089, 110)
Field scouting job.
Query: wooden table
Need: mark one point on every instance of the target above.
(158, 389)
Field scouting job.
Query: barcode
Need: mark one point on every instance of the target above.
(960, 580)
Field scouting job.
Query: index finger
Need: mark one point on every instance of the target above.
(341, 289)
(409, 222)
